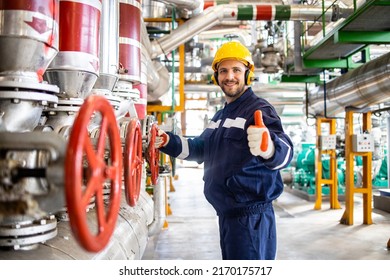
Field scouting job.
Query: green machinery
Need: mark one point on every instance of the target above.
(304, 176)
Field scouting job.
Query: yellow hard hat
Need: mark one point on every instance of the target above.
(233, 50)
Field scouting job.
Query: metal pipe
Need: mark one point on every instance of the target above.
(298, 61)
(233, 12)
(155, 73)
(362, 87)
(208, 4)
(128, 241)
(130, 40)
(109, 33)
(109, 48)
(256, 87)
(244, 35)
(195, 6)
(159, 206)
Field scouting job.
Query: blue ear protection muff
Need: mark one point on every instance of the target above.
(248, 77)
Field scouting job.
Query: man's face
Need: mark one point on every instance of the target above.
(231, 78)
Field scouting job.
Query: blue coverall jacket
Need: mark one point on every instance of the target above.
(240, 186)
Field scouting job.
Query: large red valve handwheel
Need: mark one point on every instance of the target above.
(133, 162)
(87, 169)
(154, 155)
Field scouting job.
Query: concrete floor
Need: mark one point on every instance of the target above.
(303, 233)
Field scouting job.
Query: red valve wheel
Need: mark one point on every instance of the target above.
(87, 169)
(133, 162)
(154, 155)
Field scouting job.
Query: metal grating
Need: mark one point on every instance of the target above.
(374, 16)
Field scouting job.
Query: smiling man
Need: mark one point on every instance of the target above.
(243, 149)
(229, 72)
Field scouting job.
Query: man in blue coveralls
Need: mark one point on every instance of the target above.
(243, 149)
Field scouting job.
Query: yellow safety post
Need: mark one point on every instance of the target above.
(168, 210)
(171, 186)
(350, 190)
(328, 148)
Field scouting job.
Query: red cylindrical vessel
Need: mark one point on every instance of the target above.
(130, 40)
(76, 66)
(140, 105)
(79, 27)
(28, 37)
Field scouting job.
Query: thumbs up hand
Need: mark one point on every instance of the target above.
(259, 138)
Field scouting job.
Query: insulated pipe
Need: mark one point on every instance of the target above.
(155, 80)
(258, 87)
(128, 242)
(76, 67)
(208, 4)
(142, 87)
(130, 40)
(277, 95)
(109, 33)
(161, 85)
(195, 6)
(29, 41)
(362, 87)
(28, 38)
(243, 35)
(109, 48)
(159, 206)
(231, 12)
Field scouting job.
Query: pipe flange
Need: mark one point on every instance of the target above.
(66, 105)
(24, 86)
(28, 236)
(17, 96)
(128, 95)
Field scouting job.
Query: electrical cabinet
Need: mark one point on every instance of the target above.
(362, 143)
(328, 142)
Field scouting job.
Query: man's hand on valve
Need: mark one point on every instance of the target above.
(162, 139)
(259, 138)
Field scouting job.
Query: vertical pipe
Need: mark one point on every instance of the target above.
(28, 37)
(298, 61)
(147, 70)
(109, 48)
(109, 37)
(130, 53)
(76, 67)
(130, 40)
(140, 104)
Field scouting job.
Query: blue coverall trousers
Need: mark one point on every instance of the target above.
(251, 237)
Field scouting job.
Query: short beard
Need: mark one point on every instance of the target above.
(236, 93)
